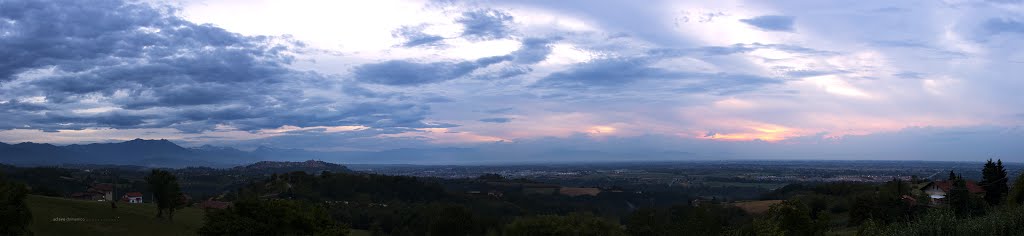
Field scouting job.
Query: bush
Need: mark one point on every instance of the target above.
(1001, 221)
(570, 225)
(270, 217)
(14, 214)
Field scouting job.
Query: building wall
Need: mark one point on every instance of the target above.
(935, 192)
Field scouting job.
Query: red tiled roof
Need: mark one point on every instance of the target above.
(946, 185)
(133, 194)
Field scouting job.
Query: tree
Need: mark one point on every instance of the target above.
(1016, 196)
(962, 202)
(166, 192)
(451, 220)
(270, 217)
(958, 197)
(994, 182)
(707, 219)
(883, 206)
(570, 225)
(113, 190)
(14, 213)
(952, 176)
(790, 217)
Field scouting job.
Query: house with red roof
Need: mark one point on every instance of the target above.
(937, 190)
(132, 197)
(96, 192)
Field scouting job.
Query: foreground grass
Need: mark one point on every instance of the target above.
(96, 218)
(1005, 220)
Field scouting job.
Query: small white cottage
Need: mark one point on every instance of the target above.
(132, 197)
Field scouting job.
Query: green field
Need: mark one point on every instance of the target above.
(97, 218)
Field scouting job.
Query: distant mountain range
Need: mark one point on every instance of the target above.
(164, 153)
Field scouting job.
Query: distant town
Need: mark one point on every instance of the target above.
(758, 173)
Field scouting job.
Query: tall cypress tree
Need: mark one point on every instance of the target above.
(959, 198)
(952, 176)
(994, 182)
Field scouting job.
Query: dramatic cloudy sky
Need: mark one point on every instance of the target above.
(622, 80)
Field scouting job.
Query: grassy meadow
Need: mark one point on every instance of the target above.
(61, 216)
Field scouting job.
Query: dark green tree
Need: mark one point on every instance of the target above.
(571, 225)
(270, 217)
(453, 220)
(14, 213)
(883, 206)
(958, 197)
(166, 192)
(707, 219)
(1016, 195)
(962, 202)
(648, 221)
(790, 217)
(994, 182)
(952, 176)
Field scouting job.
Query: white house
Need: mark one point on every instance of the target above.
(937, 190)
(132, 197)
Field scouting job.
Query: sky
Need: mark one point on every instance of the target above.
(623, 80)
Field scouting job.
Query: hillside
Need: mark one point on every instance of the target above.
(96, 218)
(151, 153)
(310, 166)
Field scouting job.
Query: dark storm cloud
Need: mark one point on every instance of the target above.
(772, 23)
(414, 36)
(496, 120)
(157, 70)
(407, 73)
(533, 50)
(505, 72)
(486, 24)
(15, 105)
(410, 73)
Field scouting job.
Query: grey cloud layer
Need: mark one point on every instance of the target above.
(145, 67)
(65, 64)
(414, 36)
(619, 72)
(484, 24)
(410, 72)
(771, 23)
